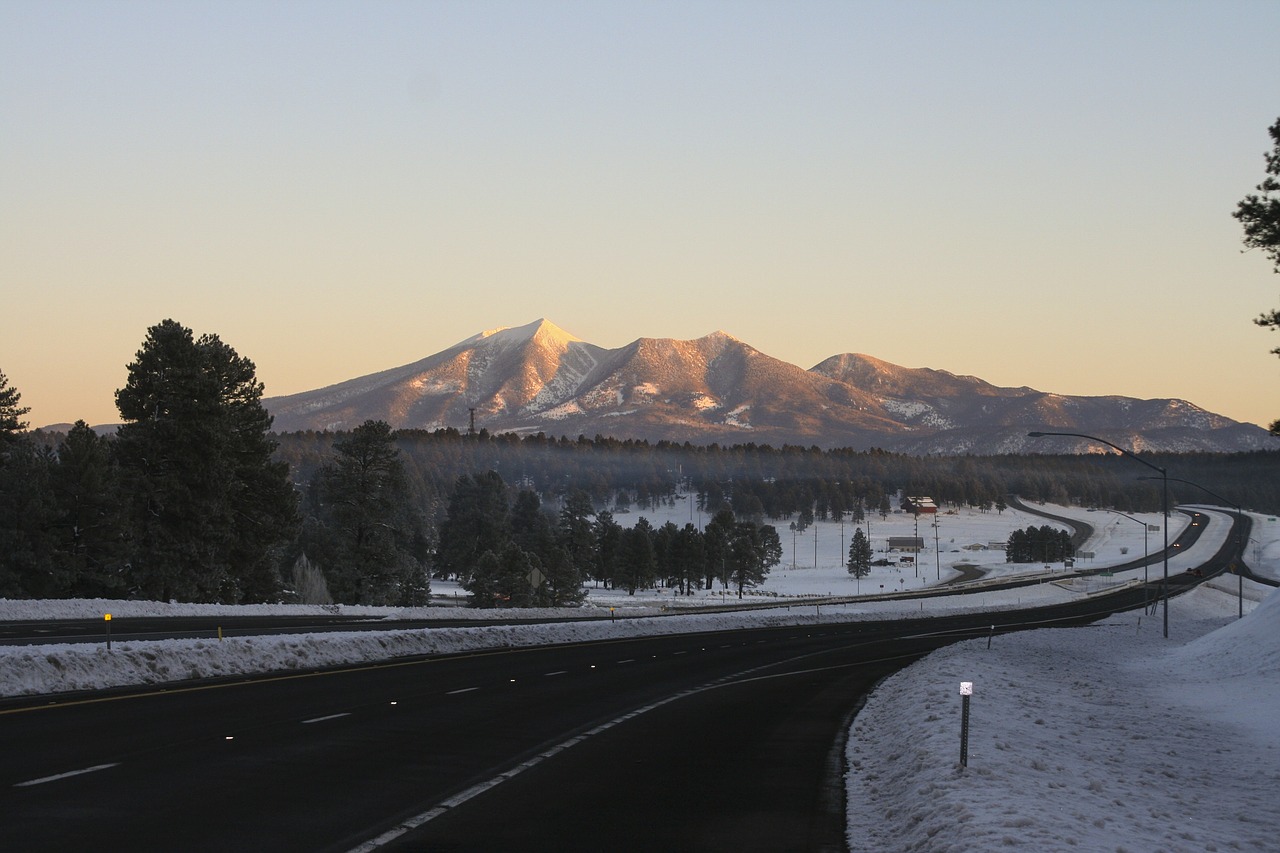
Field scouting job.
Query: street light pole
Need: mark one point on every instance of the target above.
(1239, 518)
(1145, 549)
(937, 554)
(1164, 476)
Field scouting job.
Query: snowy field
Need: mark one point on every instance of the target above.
(1103, 738)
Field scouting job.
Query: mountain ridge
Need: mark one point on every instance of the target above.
(716, 388)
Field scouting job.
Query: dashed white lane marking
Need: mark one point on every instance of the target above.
(463, 690)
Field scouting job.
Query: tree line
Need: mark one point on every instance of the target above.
(779, 484)
(194, 498)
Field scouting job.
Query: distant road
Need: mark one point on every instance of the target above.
(1082, 531)
(38, 632)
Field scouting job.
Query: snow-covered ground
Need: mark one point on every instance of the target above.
(1105, 738)
(1108, 737)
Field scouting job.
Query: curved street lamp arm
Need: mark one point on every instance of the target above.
(1128, 453)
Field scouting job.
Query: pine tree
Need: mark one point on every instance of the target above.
(1259, 214)
(483, 581)
(574, 532)
(209, 511)
(563, 584)
(369, 531)
(28, 513)
(608, 535)
(637, 559)
(859, 554)
(1018, 550)
(26, 504)
(717, 539)
(688, 556)
(477, 520)
(531, 528)
(11, 422)
(502, 579)
(753, 550)
(86, 490)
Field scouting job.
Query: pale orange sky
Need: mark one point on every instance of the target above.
(1035, 194)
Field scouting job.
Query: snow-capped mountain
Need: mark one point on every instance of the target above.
(540, 378)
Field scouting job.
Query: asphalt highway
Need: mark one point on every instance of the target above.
(736, 722)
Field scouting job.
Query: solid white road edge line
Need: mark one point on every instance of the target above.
(330, 717)
(476, 790)
(44, 779)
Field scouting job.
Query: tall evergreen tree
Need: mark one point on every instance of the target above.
(574, 532)
(477, 520)
(717, 540)
(562, 581)
(89, 520)
(688, 557)
(637, 559)
(11, 422)
(367, 526)
(503, 579)
(28, 512)
(608, 549)
(1259, 214)
(753, 550)
(531, 528)
(26, 507)
(209, 510)
(859, 554)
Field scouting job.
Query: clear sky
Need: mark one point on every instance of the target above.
(1034, 193)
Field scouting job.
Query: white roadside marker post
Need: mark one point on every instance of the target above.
(966, 690)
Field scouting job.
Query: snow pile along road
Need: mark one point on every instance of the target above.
(66, 667)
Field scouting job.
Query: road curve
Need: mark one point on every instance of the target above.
(726, 740)
(722, 739)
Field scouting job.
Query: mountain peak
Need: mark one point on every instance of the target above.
(540, 330)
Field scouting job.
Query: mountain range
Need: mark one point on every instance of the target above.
(539, 378)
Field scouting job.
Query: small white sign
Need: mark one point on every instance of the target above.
(966, 688)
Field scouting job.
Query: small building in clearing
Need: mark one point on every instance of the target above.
(920, 504)
(913, 544)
